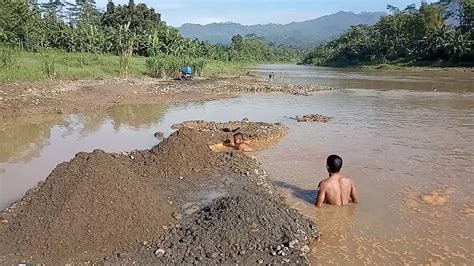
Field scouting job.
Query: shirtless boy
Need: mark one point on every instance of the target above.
(240, 144)
(336, 189)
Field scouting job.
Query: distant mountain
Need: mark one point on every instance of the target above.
(302, 34)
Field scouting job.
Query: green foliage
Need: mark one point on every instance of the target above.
(49, 68)
(6, 58)
(409, 35)
(169, 66)
(128, 31)
(123, 65)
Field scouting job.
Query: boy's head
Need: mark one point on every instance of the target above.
(334, 164)
(238, 138)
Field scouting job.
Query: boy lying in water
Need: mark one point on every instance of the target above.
(240, 144)
(336, 189)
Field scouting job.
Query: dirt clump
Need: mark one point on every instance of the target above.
(218, 133)
(312, 118)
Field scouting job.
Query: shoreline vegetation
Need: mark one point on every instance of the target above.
(53, 65)
(410, 37)
(64, 40)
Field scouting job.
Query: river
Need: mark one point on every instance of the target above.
(406, 139)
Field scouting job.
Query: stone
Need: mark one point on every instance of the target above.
(160, 252)
(159, 135)
(293, 243)
(305, 249)
(177, 216)
(260, 261)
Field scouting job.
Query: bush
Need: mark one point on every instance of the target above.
(49, 68)
(169, 66)
(6, 58)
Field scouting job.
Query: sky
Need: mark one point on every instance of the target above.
(249, 12)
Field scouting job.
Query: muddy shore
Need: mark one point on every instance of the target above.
(64, 97)
(178, 202)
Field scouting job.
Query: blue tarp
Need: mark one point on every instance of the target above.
(187, 70)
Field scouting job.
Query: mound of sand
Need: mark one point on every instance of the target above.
(91, 205)
(184, 153)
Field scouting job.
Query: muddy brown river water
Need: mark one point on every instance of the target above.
(410, 151)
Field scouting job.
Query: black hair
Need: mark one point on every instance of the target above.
(239, 135)
(334, 163)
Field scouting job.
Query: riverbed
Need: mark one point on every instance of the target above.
(406, 139)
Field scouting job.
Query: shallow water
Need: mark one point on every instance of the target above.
(409, 151)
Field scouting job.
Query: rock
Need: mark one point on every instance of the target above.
(260, 261)
(4, 221)
(160, 252)
(123, 255)
(312, 118)
(177, 216)
(159, 135)
(181, 178)
(214, 255)
(293, 243)
(305, 249)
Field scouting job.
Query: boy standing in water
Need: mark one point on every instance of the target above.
(240, 144)
(336, 189)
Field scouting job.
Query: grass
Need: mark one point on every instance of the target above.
(215, 68)
(28, 66)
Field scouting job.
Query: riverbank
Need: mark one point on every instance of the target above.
(22, 66)
(178, 202)
(64, 97)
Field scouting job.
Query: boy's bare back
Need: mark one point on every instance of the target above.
(336, 190)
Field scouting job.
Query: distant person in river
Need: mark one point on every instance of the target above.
(271, 76)
(240, 144)
(336, 189)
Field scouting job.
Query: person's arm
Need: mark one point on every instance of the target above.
(321, 195)
(245, 148)
(354, 196)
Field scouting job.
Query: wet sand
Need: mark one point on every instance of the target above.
(66, 97)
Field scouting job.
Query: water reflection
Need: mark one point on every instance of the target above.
(442, 81)
(21, 140)
(31, 148)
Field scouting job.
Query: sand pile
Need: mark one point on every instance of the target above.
(92, 205)
(184, 153)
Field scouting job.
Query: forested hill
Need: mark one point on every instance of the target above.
(301, 34)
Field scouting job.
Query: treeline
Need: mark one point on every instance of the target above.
(124, 30)
(414, 36)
